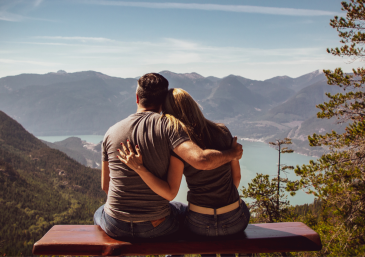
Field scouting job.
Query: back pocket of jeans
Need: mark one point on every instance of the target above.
(197, 227)
(235, 226)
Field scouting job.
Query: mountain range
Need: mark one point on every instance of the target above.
(89, 102)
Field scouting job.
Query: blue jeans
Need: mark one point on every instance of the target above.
(124, 230)
(226, 224)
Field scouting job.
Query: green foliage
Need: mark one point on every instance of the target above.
(34, 196)
(338, 177)
(269, 199)
(314, 208)
(263, 191)
(349, 29)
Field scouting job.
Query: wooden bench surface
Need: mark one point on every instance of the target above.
(257, 238)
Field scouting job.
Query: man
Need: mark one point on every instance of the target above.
(132, 209)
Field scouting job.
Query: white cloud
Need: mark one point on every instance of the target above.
(22, 6)
(170, 50)
(133, 58)
(217, 7)
(7, 16)
(50, 44)
(182, 44)
(37, 2)
(12, 61)
(172, 53)
(81, 39)
(295, 62)
(6, 52)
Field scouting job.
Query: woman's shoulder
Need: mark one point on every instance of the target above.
(224, 129)
(222, 137)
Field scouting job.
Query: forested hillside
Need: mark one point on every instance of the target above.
(40, 187)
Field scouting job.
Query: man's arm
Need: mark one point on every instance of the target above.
(105, 178)
(207, 159)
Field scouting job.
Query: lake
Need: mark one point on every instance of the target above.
(257, 157)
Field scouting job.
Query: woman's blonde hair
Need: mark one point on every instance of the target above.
(183, 113)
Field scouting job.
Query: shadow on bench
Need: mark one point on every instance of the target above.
(257, 238)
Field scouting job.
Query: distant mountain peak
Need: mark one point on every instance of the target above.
(61, 72)
(317, 72)
(213, 79)
(283, 77)
(312, 74)
(192, 75)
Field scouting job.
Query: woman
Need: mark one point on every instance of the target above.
(215, 208)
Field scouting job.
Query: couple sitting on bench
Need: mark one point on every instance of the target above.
(144, 157)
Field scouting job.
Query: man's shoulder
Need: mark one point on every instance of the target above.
(133, 118)
(118, 124)
(153, 119)
(153, 115)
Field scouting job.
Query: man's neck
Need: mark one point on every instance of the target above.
(147, 109)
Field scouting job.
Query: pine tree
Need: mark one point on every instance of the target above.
(338, 177)
(278, 144)
(270, 202)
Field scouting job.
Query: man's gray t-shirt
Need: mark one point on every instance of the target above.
(129, 198)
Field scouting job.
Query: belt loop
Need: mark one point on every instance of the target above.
(216, 222)
(132, 228)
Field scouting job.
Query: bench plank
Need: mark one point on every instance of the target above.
(257, 238)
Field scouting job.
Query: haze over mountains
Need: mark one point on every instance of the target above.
(86, 153)
(90, 102)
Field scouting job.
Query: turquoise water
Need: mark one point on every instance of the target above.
(257, 157)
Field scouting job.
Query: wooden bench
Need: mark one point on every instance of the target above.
(257, 238)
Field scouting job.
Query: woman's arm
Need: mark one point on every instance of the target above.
(236, 172)
(167, 190)
(105, 177)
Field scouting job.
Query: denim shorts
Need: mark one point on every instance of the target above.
(124, 230)
(225, 224)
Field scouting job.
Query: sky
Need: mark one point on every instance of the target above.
(255, 39)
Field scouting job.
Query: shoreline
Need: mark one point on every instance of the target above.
(299, 151)
(252, 139)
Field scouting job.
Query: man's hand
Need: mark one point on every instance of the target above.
(237, 149)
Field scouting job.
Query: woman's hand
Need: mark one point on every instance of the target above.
(166, 189)
(129, 158)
